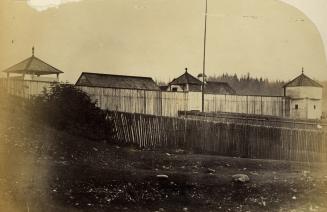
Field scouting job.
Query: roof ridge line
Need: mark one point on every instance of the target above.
(29, 62)
(116, 75)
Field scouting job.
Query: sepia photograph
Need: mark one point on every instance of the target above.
(163, 105)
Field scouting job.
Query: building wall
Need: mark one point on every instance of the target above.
(299, 108)
(314, 109)
(304, 92)
(306, 102)
(306, 108)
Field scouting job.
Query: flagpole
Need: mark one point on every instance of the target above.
(204, 52)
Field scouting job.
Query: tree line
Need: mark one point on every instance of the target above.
(248, 85)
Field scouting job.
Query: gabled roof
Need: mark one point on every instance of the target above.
(33, 65)
(186, 78)
(302, 80)
(116, 81)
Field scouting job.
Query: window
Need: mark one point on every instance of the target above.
(296, 106)
(174, 89)
(314, 107)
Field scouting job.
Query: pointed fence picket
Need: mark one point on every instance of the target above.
(229, 139)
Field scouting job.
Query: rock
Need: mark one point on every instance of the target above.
(165, 167)
(185, 209)
(161, 209)
(168, 154)
(162, 176)
(179, 151)
(243, 178)
(95, 149)
(306, 173)
(254, 173)
(211, 170)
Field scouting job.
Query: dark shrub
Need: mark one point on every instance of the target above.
(67, 108)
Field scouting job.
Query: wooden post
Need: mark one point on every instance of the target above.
(261, 106)
(144, 102)
(204, 53)
(247, 105)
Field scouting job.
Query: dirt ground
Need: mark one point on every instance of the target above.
(42, 169)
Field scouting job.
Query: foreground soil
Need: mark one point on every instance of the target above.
(42, 169)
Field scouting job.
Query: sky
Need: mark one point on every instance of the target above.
(159, 38)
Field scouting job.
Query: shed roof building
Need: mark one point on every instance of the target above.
(116, 81)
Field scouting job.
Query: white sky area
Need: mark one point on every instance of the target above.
(41, 5)
(316, 10)
(159, 38)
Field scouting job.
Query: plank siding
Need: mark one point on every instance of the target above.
(161, 103)
(24, 88)
(169, 103)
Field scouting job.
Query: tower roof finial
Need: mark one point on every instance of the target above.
(302, 70)
(186, 69)
(33, 51)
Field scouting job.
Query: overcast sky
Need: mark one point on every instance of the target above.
(159, 38)
(316, 10)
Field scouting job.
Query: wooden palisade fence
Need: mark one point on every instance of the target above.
(24, 88)
(161, 103)
(229, 139)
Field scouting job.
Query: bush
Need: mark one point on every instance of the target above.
(67, 108)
